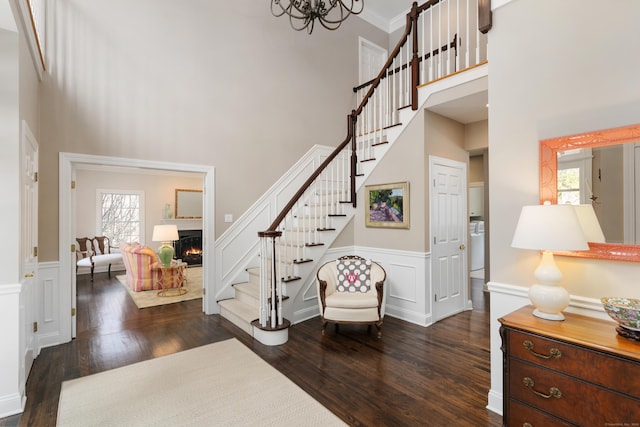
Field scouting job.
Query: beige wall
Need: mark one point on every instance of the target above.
(429, 134)
(476, 169)
(476, 136)
(405, 161)
(158, 191)
(551, 77)
(193, 82)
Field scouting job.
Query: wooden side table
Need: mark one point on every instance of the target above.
(578, 372)
(172, 273)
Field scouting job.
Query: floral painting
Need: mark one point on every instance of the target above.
(387, 205)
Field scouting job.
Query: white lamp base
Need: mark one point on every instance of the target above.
(548, 298)
(549, 301)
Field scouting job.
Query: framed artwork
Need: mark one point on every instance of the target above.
(387, 205)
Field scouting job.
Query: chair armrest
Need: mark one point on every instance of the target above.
(380, 292)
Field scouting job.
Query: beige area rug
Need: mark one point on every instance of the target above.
(146, 299)
(221, 384)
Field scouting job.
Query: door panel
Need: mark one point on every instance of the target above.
(448, 209)
(28, 249)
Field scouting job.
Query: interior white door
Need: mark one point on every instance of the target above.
(29, 248)
(372, 57)
(448, 218)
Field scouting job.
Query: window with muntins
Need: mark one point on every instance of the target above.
(121, 215)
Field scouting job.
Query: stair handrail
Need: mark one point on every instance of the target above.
(411, 18)
(316, 173)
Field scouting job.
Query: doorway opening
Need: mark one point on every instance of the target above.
(69, 162)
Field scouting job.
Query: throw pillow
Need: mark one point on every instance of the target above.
(354, 275)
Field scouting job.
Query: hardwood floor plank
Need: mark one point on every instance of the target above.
(413, 376)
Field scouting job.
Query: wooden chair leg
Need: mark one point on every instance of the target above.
(92, 273)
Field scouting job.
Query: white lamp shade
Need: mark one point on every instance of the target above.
(589, 222)
(549, 227)
(165, 233)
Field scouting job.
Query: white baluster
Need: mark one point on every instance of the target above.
(430, 11)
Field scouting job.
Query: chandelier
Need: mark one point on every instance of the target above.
(303, 13)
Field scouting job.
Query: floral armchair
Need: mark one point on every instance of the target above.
(145, 271)
(351, 290)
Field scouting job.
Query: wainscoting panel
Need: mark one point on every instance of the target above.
(404, 282)
(49, 327)
(12, 397)
(408, 283)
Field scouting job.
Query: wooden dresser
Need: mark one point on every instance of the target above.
(576, 372)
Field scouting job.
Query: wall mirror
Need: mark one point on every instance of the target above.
(188, 204)
(602, 168)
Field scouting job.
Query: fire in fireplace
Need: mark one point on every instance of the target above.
(189, 246)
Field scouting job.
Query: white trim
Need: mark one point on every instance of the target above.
(27, 30)
(399, 22)
(67, 162)
(375, 20)
(499, 3)
(10, 289)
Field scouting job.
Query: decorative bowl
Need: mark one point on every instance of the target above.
(625, 311)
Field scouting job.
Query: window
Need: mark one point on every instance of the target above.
(574, 176)
(569, 186)
(121, 215)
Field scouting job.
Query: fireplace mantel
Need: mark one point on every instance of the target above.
(185, 224)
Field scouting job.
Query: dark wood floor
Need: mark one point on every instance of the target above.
(413, 376)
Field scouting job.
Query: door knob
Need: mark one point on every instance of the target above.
(462, 247)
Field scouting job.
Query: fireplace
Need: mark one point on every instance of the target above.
(189, 246)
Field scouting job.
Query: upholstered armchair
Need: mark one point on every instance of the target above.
(96, 251)
(145, 271)
(351, 290)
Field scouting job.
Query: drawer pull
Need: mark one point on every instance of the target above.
(553, 391)
(553, 353)
(527, 425)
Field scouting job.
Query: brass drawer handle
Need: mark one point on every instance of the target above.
(553, 391)
(554, 352)
(527, 425)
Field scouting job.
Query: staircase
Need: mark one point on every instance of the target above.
(262, 281)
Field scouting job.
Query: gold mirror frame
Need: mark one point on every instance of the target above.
(188, 204)
(549, 149)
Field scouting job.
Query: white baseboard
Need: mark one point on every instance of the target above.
(495, 402)
(12, 404)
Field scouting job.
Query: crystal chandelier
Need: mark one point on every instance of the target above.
(303, 13)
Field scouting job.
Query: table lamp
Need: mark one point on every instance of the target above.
(549, 228)
(165, 234)
(589, 223)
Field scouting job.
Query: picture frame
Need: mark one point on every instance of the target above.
(387, 205)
